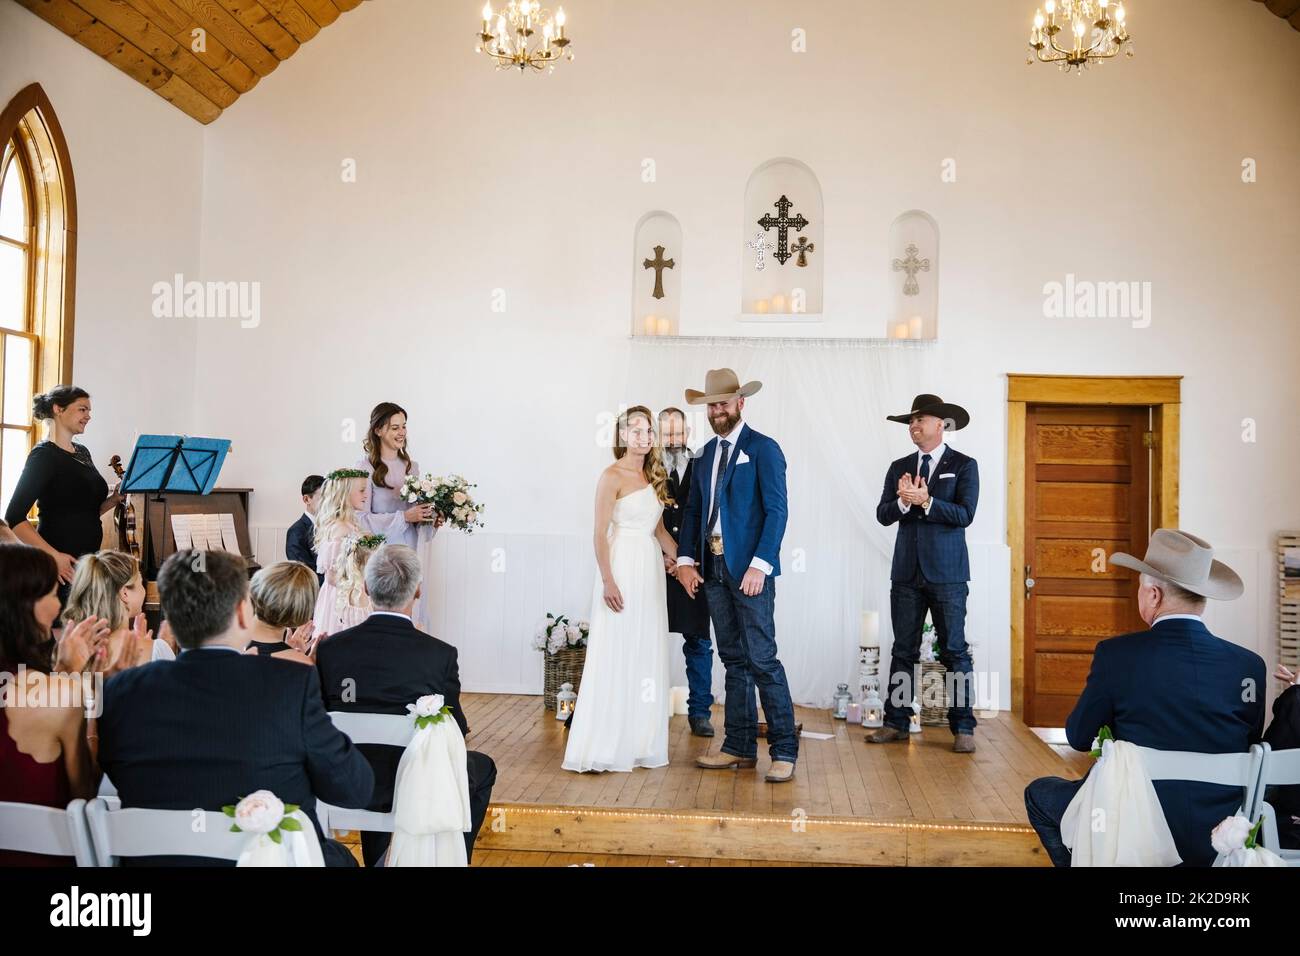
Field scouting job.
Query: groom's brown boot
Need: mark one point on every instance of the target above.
(721, 761)
(887, 735)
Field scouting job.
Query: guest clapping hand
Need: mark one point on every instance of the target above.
(107, 585)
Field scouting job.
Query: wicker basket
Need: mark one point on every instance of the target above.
(562, 667)
(934, 687)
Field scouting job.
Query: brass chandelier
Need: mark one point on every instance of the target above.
(1095, 31)
(509, 41)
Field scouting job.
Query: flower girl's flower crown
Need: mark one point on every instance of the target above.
(342, 473)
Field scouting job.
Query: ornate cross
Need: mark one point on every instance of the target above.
(783, 223)
(659, 264)
(802, 248)
(760, 245)
(911, 264)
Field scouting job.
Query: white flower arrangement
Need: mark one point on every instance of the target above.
(429, 709)
(449, 496)
(556, 632)
(262, 812)
(1236, 840)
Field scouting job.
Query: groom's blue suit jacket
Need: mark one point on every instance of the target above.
(753, 503)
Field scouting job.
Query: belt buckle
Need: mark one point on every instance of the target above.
(715, 544)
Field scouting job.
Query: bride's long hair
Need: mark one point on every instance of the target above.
(653, 465)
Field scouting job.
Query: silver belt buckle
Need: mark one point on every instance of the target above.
(715, 544)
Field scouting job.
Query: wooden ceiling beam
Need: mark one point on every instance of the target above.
(216, 19)
(127, 22)
(322, 11)
(182, 28)
(70, 19)
(262, 25)
(295, 20)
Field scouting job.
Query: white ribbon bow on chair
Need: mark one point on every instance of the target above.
(431, 794)
(1115, 818)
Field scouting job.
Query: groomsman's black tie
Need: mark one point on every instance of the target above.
(925, 468)
(717, 486)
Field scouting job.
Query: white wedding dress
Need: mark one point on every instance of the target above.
(620, 720)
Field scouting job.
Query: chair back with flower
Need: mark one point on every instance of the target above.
(260, 830)
(1281, 768)
(431, 810)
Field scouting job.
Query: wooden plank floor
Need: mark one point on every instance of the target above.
(922, 780)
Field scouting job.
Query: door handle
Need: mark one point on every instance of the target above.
(1029, 582)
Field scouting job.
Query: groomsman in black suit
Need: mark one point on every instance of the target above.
(385, 663)
(299, 543)
(931, 495)
(217, 724)
(687, 616)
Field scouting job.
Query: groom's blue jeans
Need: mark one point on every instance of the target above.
(746, 633)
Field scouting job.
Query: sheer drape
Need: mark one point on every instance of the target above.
(825, 402)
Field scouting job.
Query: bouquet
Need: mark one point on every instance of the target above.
(556, 633)
(449, 496)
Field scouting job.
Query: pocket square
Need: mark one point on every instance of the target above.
(951, 474)
(742, 458)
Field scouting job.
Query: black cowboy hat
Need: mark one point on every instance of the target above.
(955, 417)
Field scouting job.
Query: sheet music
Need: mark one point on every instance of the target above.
(182, 531)
(228, 537)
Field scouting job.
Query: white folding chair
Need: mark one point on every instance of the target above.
(108, 793)
(50, 831)
(395, 730)
(1281, 768)
(1230, 770)
(137, 832)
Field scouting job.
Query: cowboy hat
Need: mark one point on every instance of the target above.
(955, 417)
(721, 385)
(1187, 561)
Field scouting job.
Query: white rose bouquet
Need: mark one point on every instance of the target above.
(556, 632)
(450, 497)
(262, 812)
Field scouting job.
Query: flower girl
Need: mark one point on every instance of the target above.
(346, 535)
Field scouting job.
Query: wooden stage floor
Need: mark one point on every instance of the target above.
(851, 803)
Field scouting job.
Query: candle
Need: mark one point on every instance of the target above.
(855, 713)
(778, 303)
(665, 326)
(560, 20)
(900, 330)
(487, 18)
(870, 629)
(914, 326)
(761, 306)
(651, 323)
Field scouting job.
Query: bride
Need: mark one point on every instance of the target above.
(620, 720)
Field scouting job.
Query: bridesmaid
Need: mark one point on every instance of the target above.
(61, 478)
(388, 463)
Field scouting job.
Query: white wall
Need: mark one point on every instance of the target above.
(137, 163)
(470, 182)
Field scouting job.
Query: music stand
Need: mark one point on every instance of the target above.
(174, 463)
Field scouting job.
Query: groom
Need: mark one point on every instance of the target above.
(735, 518)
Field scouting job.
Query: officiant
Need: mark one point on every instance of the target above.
(687, 616)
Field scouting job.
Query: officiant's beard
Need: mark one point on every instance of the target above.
(724, 423)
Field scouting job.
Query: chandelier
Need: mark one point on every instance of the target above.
(509, 41)
(1094, 31)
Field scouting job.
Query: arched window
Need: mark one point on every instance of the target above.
(37, 256)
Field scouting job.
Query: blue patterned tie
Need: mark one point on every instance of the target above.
(717, 486)
(925, 468)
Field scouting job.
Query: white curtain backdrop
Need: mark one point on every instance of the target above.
(825, 402)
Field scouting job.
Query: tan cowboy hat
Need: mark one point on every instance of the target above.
(721, 385)
(954, 416)
(1184, 559)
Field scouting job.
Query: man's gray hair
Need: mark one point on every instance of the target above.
(392, 576)
(1174, 594)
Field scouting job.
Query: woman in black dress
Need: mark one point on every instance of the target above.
(60, 477)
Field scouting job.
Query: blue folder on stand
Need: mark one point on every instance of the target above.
(175, 463)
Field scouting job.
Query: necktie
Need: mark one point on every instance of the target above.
(925, 468)
(717, 485)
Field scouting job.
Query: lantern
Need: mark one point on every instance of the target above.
(842, 698)
(564, 701)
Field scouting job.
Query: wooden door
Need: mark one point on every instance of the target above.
(1087, 483)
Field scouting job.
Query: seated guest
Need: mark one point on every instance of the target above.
(1284, 734)
(299, 543)
(107, 585)
(284, 597)
(1173, 687)
(217, 724)
(384, 663)
(45, 757)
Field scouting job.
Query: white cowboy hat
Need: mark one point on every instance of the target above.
(1187, 561)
